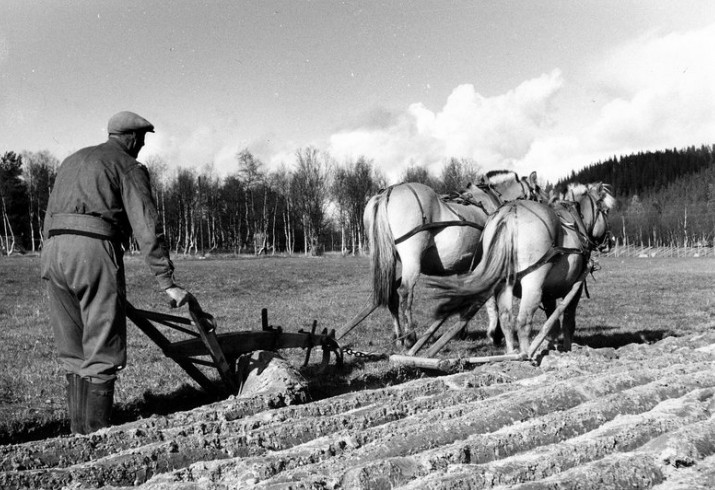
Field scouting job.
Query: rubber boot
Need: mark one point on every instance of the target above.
(98, 403)
(76, 393)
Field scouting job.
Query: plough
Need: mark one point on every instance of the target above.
(430, 362)
(224, 349)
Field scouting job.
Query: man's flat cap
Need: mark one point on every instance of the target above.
(127, 122)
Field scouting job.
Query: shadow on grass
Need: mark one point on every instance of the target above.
(601, 337)
(32, 429)
(185, 398)
(597, 337)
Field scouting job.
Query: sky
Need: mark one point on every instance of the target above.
(545, 86)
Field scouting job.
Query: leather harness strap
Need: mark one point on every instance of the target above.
(587, 243)
(439, 224)
(433, 225)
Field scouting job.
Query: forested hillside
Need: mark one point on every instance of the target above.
(666, 198)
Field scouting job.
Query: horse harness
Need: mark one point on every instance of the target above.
(459, 198)
(577, 225)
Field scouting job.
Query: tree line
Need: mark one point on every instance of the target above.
(665, 198)
(313, 204)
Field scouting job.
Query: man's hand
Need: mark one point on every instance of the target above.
(179, 296)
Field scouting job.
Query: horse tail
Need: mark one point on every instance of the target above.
(382, 250)
(498, 264)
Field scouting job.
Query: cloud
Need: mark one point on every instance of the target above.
(495, 131)
(4, 50)
(215, 145)
(658, 93)
(668, 86)
(655, 92)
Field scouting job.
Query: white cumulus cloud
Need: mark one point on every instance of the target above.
(495, 131)
(214, 145)
(658, 92)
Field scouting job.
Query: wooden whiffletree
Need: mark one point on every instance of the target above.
(429, 362)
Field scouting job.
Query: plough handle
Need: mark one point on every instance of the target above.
(206, 325)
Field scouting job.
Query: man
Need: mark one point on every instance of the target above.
(100, 197)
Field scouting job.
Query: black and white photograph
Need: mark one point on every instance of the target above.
(370, 244)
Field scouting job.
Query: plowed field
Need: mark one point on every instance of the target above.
(641, 416)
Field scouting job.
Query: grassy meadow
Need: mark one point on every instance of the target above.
(632, 300)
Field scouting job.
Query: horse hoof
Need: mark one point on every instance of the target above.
(497, 336)
(410, 339)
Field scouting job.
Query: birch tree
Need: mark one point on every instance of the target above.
(310, 195)
(13, 202)
(457, 174)
(39, 172)
(352, 187)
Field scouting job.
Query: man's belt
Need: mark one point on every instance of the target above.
(85, 225)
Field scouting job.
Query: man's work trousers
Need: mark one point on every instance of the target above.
(85, 281)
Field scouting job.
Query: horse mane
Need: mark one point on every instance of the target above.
(496, 177)
(606, 195)
(574, 191)
(602, 192)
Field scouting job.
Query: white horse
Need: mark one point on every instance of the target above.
(536, 252)
(429, 234)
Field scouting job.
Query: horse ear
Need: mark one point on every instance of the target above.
(532, 179)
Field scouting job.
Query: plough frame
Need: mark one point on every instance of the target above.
(225, 349)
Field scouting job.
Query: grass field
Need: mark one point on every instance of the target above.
(632, 300)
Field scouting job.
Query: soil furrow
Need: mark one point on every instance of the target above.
(549, 429)
(696, 476)
(644, 468)
(412, 434)
(644, 408)
(691, 447)
(243, 437)
(623, 434)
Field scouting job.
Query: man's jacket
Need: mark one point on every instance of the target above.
(103, 192)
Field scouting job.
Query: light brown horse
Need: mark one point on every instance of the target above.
(411, 224)
(536, 252)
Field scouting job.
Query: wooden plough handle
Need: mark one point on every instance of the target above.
(206, 325)
(205, 329)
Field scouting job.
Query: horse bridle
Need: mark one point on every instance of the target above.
(532, 193)
(584, 235)
(527, 192)
(597, 209)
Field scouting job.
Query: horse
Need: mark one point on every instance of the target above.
(537, 252)
(429, 234)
